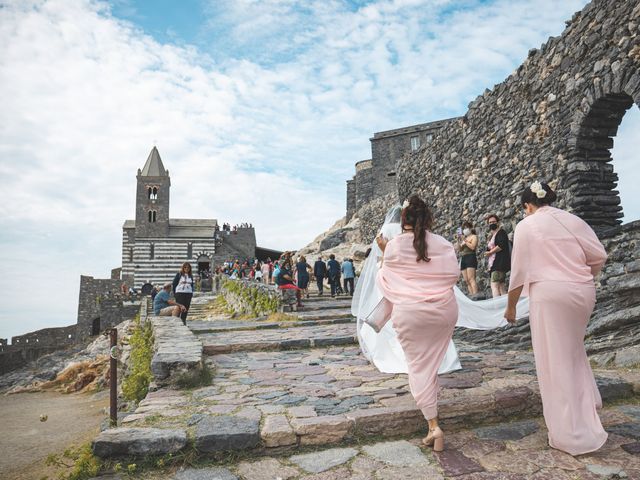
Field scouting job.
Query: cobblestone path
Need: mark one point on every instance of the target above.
(298, 396)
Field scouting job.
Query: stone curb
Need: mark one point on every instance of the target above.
(302, 343)
(177, 350)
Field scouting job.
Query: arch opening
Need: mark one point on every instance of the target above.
(591, 180)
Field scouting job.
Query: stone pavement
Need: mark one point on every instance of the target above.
(281, 390)
(504, 451)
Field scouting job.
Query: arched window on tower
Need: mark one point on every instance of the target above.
(150, 216)
(152, 251)
(149, 193)
(154, 216)
(154, 193)
(189, 249)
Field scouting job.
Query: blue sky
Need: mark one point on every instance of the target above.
(253, 104)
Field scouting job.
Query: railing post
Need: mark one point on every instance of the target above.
(113, 377)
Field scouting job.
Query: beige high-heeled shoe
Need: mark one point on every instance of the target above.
(435, 438)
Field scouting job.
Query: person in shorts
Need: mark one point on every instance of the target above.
(163, 306)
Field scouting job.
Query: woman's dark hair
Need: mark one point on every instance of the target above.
(528, 196)
(419, 217)
(493, 215)
(185, 266)
(469, 225)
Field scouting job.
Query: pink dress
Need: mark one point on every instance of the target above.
(424, 309)
(555, 257)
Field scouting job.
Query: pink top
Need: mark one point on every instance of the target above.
(554, 245)
(403, 280)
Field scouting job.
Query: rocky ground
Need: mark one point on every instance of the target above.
(296, 400)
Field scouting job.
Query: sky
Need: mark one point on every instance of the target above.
(259, 109)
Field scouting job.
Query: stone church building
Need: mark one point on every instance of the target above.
(154, 245)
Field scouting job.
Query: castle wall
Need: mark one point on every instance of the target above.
(240, 244)
(31, 346)
(351, 198)
(554, 118)
(364, 183)
(90, 295)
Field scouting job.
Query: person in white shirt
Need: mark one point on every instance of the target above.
(183, 289)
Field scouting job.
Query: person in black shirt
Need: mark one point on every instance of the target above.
(498, 256)
(320, 272)
(285, 279)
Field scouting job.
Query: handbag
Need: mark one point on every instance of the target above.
(380, 315)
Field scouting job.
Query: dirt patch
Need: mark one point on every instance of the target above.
(25, 441)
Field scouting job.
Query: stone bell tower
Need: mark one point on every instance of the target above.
(152, 198)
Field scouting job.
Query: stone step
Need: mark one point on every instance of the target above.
(204, 326)
(323, 314)
(328, 396)
(279, 339)
(509, 450)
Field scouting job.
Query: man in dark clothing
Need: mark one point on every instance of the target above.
(319, 271)
(334, 274)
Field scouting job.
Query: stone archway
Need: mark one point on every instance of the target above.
(591, 180)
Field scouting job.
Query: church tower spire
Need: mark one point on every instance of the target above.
(152, 198)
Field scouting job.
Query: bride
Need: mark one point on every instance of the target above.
(383, 348)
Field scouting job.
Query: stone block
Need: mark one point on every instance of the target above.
(267, 469)
(401, 453)
(226, 432)
(119, 442)
(322, 430)
(277, 432)
(455, 463)
(508, 431)
(387, 421)
(613, 388)
(214, 473)
(323, 460)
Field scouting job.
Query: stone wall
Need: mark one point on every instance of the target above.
(553, 118)
(363, 183)
(240, 244)
(31, 346)
(92, 314)
(351, 198)
(388, 147)
(257, 299)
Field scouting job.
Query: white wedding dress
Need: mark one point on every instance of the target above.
(383, 349)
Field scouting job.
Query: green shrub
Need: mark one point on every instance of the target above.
(78, 463)
(136, 383)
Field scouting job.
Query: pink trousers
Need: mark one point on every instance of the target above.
(424, 331)
(558, 314)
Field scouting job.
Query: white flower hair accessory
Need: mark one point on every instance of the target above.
(536, 187)
(405, 204)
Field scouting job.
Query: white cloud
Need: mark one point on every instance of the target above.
(263, 126)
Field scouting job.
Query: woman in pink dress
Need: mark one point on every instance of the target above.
(419, 270)
(555, 258)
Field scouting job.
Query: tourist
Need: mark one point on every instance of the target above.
(418, 273)
(498, 256)
(302, 271)
(320, 272)
(555, 259)
(183, 288)
(348, 274)
(284, 279)
(333, 271)
(164, 306)
(217, 279)
(467, 245)
(266, 272)
(154, 292)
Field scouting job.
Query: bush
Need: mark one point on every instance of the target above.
(136, 382)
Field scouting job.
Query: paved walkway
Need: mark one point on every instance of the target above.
(279, 390)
